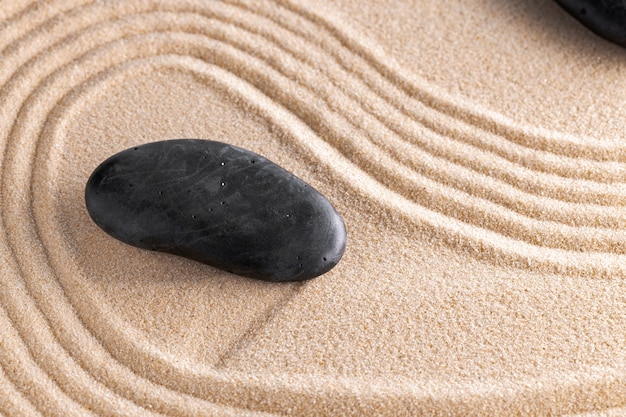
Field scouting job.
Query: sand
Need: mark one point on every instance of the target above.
(474, 149)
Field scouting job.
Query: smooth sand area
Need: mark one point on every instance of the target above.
(475, 150)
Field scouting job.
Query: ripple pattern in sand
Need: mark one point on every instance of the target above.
(475, 179)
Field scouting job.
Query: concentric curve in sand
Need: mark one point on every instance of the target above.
(537, 138)
(308, 133)
(521, 214)
(370, 63)
(265, 105)
(70, 372)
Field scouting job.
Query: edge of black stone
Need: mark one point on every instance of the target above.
(331, 262)
(606, 18)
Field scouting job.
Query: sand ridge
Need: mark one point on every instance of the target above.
(431, 184)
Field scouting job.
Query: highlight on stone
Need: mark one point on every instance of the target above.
(217, 204)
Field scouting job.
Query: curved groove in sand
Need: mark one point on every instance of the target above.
(15, 404)
(90, 389)
(355, 151)
(445, 125)
(531, 137)
(152, 356)
(31, 380)
(17, 203)
(476, 160)
(60, 360)
(160, 395)
(541, 210)
(38, 15)
(133, 338)
(475, 211)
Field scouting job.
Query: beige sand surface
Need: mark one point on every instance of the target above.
(475, 149)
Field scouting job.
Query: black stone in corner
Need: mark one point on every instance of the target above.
(607, 18)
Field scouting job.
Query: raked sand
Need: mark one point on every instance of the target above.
(476, 151)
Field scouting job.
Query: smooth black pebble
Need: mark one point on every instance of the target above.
(217, 204)
(606, 18)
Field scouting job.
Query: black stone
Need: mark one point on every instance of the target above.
(606, 18)
(217, 204)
